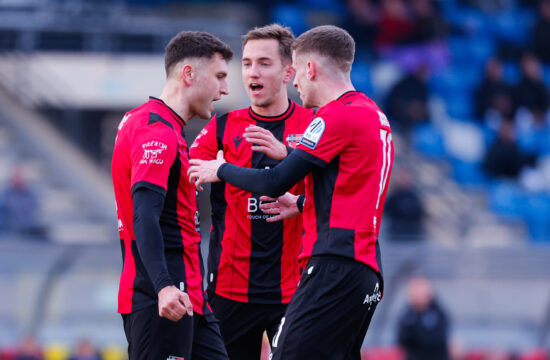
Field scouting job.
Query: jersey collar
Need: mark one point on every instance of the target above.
(170, 110)
(283, 116)
(348, 95)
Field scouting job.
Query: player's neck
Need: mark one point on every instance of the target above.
(332, 90)
(175, 100)
(278, 107)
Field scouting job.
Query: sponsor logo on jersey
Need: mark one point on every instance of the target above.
(237, 140)
(254, 211)
(293, 139)
(383, 119)
(313, 133)
(152, 150)
(172, 357)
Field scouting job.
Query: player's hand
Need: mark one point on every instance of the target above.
(203, 171)
(284, 207)
(264, 141)
(174, 303)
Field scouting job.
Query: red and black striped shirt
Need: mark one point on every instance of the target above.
(350, 140)
(251, 260)
(150, 151)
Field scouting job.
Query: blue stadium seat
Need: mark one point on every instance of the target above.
(360, 76)
(546, 74)
(511, 72)
(513, 25)
(481, 48)
(505, 199)
(536, 213)
(447, 83)
(471, 20)
(459, 105)
(532, 140)
(333, 6)
(468, 174)
(428, 140)
(290, 15)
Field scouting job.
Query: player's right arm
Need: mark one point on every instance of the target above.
(285, 206)
(205, 146)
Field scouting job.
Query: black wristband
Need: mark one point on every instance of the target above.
(300, 202)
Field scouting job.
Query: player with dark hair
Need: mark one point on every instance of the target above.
(253, 268)
(161, 299)
(347, 155)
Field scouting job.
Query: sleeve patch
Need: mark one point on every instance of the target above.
(153, 152)
(313, 133)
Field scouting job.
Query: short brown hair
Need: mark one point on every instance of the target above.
(283, 35)
(330, 41)
(194, 44)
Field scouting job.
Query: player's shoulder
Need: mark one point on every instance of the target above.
(238, 114)
(301, 111)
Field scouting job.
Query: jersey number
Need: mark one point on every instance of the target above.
(386, 163)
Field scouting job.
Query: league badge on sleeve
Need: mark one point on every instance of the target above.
(313, 133)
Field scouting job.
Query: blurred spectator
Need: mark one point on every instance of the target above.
(504, 158)
(429, 24)
(404, 209)
(361, 21)
(423, 329)
(407, 100)
(395, 26)
(20, 207)
(542, 32)
(531, 93)
(494, 93)
(29, 349)
(85, 351)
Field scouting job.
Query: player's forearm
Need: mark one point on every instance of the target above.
(148, 206)
(272, 182)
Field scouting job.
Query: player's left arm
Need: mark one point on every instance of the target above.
(272, 182)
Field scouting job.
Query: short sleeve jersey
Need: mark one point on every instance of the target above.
(350, 140)
(251, 260)
(150, 152)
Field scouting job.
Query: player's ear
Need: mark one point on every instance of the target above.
(187, 74)
(311, 70)
(289, 73)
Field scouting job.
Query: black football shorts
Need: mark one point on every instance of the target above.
(328, 317)
(243, 324)
(151, 337)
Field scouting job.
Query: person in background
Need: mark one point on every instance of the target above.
(493, 94)
(85, 350)
(423, 329)
(19, 208)
(404, 209)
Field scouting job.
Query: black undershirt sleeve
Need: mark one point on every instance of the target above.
(272, 182)
(148, 205)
